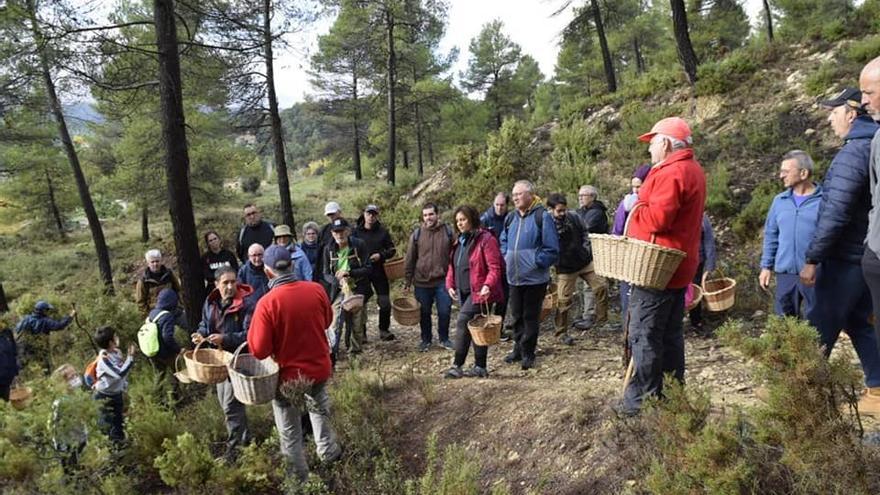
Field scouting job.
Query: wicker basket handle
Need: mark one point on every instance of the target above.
(177, 362)
(629, 217)
(237, 352)
(196, 350)
(706, 275)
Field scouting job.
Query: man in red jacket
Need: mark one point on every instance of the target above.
(289, 324)
(669, 212)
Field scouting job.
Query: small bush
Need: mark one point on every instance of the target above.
(185, 463)
(717, 191)
(864, 50)
(825, 77)
(250, 184)
(723, 76)
(457, 473)
(751, 219)
(576, 147)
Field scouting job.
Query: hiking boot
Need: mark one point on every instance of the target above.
(585, 324)
(424, 347)
(453, 372)
(512, 357)
(447, 345)
(869, 404)
(567, 340)
(477, 372)
(387, 337)
(527, 363)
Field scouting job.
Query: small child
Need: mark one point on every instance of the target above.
(112, 382)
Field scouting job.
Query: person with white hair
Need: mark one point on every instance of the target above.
(155, 277)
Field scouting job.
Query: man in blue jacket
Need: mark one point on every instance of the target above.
(226, 317)
(833, 259)
(33, 332)
(787, 233)
(530, 246)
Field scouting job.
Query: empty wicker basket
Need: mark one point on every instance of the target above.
(406, 311)
(485, 328)
(254, 381)
(719, 294)
(394, 268)
(206, 365)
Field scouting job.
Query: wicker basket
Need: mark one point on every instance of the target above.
(181, 375)
(485, 328)
(406, 311)
(21, 397)
(254, 381)
(394, 269)
(353, 302)
(719, 294)
(548, 305)
(637, 262)
(206, 365)
(697, 299)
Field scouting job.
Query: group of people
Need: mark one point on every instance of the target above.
(297, 302)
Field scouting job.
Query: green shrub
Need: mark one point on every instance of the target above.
(576, 146)
(751, 219)
(718, 191)
(725, 75)
(864, 50)
(185, 463)
(826, 76)
(457, 473)
(250, 184)
(652, 83)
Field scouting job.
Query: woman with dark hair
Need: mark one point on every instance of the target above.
(215, 257)
(474, 279)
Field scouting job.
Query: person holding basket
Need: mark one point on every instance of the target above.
(474, 279)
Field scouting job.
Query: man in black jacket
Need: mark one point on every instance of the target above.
(346, 271)
(594, 216)
(575, 262)
(379, 247)
(254, 230)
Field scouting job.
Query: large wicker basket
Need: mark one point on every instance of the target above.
(20, 397)
(485, 328)
(406, 311)
(719, 294)
(206, 365)
(637, 262)
(394, 268)
(254, 381)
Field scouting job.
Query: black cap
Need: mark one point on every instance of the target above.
(850, 97)
(339, 224)
(372, 209)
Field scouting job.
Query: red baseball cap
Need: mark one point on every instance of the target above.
(670, 126)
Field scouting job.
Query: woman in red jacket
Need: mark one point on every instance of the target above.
(474, 279)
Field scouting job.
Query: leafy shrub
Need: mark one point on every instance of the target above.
(185, 463)
(456, 474)
(652, 83)
(250, 184)
(864, 50)
(576, 146)
(723, 76)
(717, 191)
(751, 218)
(826, 76)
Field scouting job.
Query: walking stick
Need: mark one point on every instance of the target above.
(78, 324)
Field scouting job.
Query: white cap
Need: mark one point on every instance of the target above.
(332, 207)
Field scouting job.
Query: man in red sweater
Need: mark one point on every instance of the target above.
(669, 212)
(289, 324)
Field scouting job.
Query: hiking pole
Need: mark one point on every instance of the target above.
(78, 324)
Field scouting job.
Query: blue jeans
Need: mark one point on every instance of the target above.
(843, 302)
(792, 297)
(426, 297)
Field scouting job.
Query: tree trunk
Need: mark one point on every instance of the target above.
(82, 187)
(356, 141)
(275, 119)
(640, 60)
(769, 17)
(180, 203)
(53, 206)
(406, 159)
(683, 41)
(430, 146)
(145, 223)
(392, 118)
(419, 150)
(603, 43)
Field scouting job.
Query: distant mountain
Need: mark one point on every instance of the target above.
(79, 115)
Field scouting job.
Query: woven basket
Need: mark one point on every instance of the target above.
(719, 294)
(353, 302)
(698, 297)
(254, 381)
(637, 262)
(20, 397)
(181, 375)
(206, 365)
(406, 311)
(548, 305)
(485, 328)
(394, 268)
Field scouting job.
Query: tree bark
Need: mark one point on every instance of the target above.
(275, 119)
(392, 117)
(406, 159)
(610, 78)
(356, 141)
(82, 187)
(180, 203)
(640, 60)
(769, 17)
(430, 146)
(53, 206)
(419, 147)
(145, 223)
(683, 40)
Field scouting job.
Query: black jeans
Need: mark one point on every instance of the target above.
(656, 337)
(525, 310)
(110, 420)
(5, 387)
(382, 288)
(696, 314)
(463, 335)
